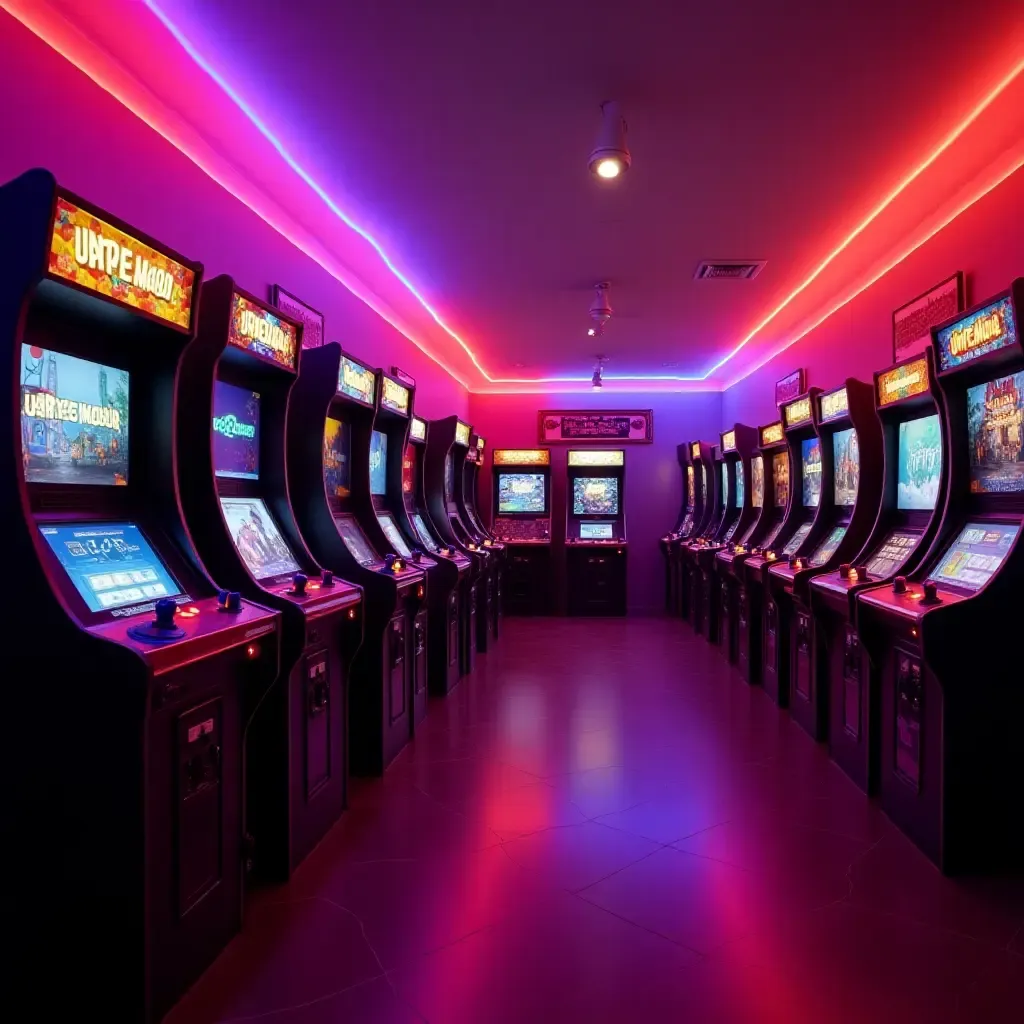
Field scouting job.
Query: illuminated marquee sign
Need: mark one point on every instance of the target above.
(797, 412)
(259, 331)
(480, 442)
(462, 433)
(356, 381)
(772, 434)
(729, 441)
(985, 330)
(579, 426)
(834, 404)
(418, 429)
(613, 458)
(393, 396)
(521, 457)
(695, 450)
(97, 256)
(903, 382)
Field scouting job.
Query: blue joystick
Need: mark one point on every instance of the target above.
(162, 629)
(165, 612)
(389, 562)
(229, 600)
(299, 581)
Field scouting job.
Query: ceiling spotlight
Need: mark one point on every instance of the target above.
(610, 157)
(595, 382)
(591, 331)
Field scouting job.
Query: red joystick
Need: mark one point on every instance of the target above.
(931, 594)
(899, 585)
(844, 570)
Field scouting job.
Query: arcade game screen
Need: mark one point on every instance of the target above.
(740, 492)
(378, 462)
(780, 478)
(110, 564)
(845, 466)
(994, 425)
(757, 481)
(257, 538)
(74, 420)
(725, 486)
(236, 432)
(355, 540)
(422, 532)
(596, 531)
(919, 463)
(449, 478)
(797, 539)
(520, 492)
(689, 485)
(810, 452)
(393, 534)
(410, 470)
(337, 469)
(977, 553)
(595, 496)
(895, 550)
(827, 548)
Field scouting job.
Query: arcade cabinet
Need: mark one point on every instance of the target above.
(943, 636)
(521, 479)
(595, 533)
(908, 404)
(738, 515)
(447, 442)
(454, 569)
(334, 465)
(471, 481)
(123, 790)
(691, 519)
(682, 529)
(700, 458)
(389, 477)
(699, 553)
(235, 379)
(846, 488)
(466, 499)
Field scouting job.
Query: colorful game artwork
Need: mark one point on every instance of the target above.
(236, 432)
(595, 496)
(74, 420)
(263, 333)
(994, 429)
(810, 474)
(740, 487)
(378, 462)
(757, 481)
(919, 463)
(845, 466)
(895, 550)
(337, 469)
(257, 538)
(780, 478)
(689, 486)
(520, 492)
(972, 560)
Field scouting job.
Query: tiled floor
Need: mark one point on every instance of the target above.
(605, 824)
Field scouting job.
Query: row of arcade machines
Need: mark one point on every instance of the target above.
(865, 568)
(596, 546)
(249, 571)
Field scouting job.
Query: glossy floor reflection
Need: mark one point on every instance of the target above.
(604, 824)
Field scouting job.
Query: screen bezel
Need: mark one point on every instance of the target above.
(897, 530)
(805, 476)
(383, 469)
(497, 490)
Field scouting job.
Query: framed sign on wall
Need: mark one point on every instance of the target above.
(312, 320)
(912, 323)
(580, 426)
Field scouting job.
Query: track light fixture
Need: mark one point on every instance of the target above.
(610, 157)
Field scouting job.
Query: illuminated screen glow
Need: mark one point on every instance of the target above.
(780, 478)
(827, 548)
(354, 539)
(596, 531)
(595, 496)
(757, 481)
(845, 466)
(337, 464)
(378, 462)
(919, 463)
(975, 556)
(425, 536)
(74, 420)
(520, 492)
(257, 538)
(995, 411)
(689, 485)
(892, 553)
(110, 564)
(810, 475)
(725, 485)
(796, 540)
(740, 486)
(394, 535)
(236, 432)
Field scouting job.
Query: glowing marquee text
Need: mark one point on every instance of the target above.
(44, 406)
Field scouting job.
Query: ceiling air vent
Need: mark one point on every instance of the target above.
(728, 270)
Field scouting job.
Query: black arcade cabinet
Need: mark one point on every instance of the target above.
(447, 442)
(236, 376)
(682, 529)
(699, 553)
(467, 501)
(907, 401)
(841, 475)
(944, 636)
(746, 564)
(521, 481)
(335, 463)
(453, 569)
(705, 484)
(123, 806)
(471, 482)
(595, 533)
(389, 477)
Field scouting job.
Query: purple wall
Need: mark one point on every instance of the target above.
(653, 488)
(55, 117)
